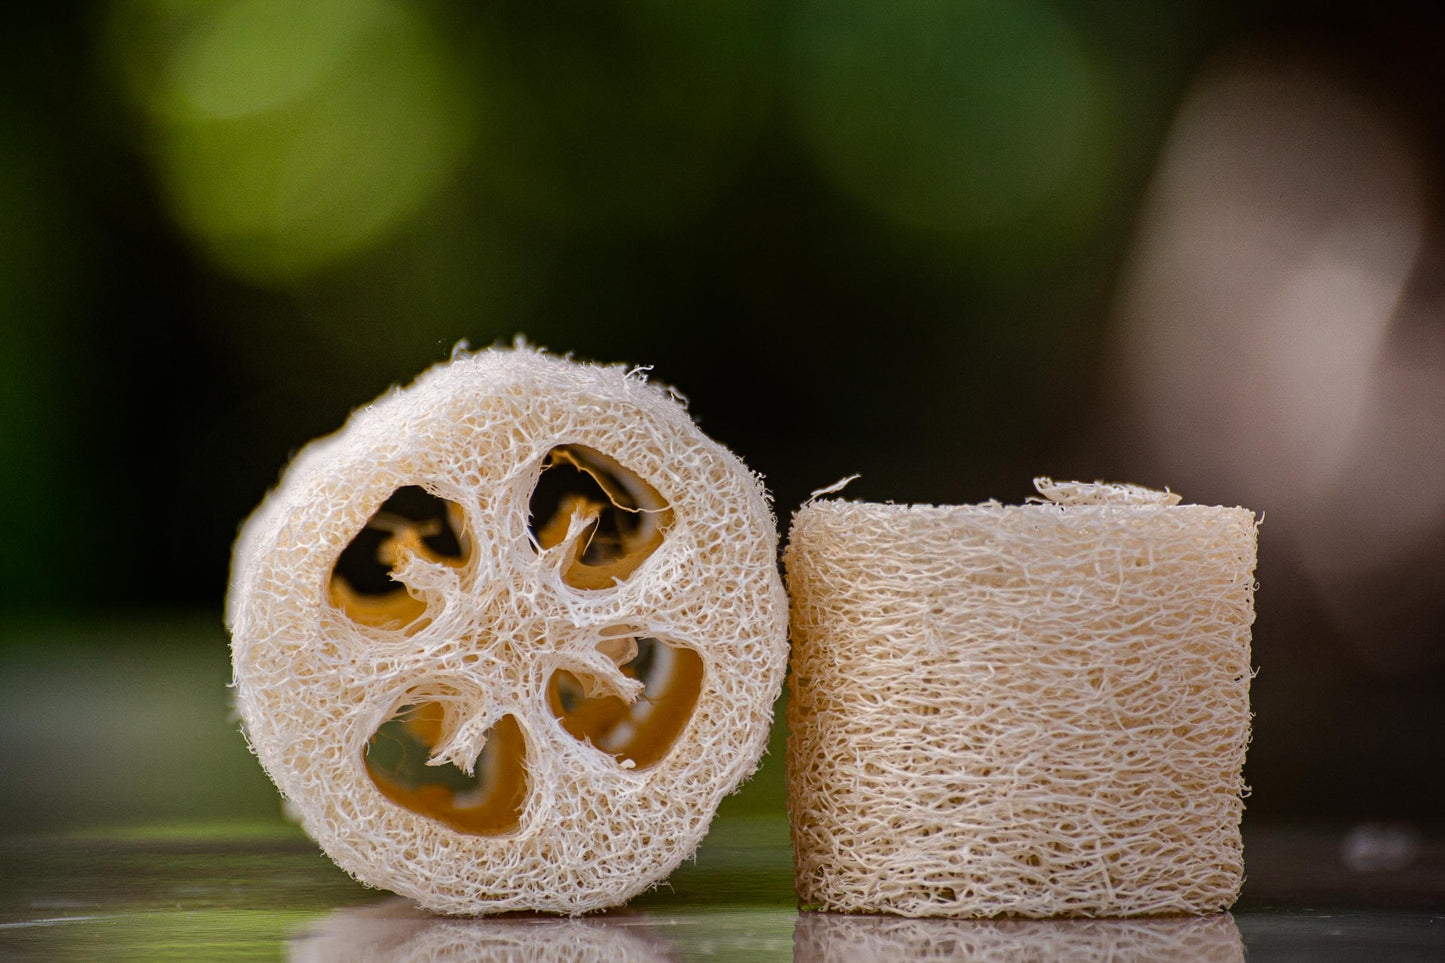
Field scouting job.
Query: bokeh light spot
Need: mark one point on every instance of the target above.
(946, 114)
(289, 137)
(242, 62)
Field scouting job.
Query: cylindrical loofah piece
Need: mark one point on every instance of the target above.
(507, 638)
(1030, 710)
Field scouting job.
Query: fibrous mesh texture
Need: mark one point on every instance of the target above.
(1031, 710)
(844, 938)
(494, 635)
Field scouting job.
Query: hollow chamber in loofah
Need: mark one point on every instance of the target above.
(1030, 710)
(506, 639)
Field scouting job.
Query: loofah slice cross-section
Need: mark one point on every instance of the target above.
(507, 638)
(1030, 710)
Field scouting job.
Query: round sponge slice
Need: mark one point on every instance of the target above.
(507, 638)
(1029, 710)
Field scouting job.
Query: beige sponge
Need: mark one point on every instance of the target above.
(1029, 710)
(507, 638)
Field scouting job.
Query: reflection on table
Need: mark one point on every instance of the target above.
(396, 930)
(839, 938)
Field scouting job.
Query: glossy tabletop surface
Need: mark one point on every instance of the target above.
(203, 891)
(137, 826)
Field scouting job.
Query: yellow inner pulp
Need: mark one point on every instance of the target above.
(488, 802)
(397, 538)
(637, 734)
(627, 516)
(624, 520)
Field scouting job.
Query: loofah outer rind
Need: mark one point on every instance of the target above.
(312, 686)
(1031, 710)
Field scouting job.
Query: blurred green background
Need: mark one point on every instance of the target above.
(946, 245)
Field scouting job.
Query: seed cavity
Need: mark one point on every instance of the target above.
(411, 522)
(625, 517)
(486, 802)
(637, 734)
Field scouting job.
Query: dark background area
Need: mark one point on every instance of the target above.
(947, 246)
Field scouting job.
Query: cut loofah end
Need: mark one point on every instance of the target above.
(1101, 493)
(1031, 710)
(507, 638)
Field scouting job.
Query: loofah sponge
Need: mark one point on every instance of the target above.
(1030, 710)
(507, 638)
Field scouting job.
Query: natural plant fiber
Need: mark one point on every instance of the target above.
(1031, 710)
(593, 682)
(846, 938)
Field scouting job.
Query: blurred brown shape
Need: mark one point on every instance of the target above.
(1281, 345)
